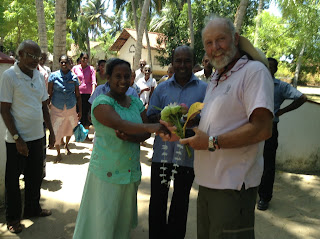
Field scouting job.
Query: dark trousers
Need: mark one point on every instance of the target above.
(269, 155)
(175, 226)
(85, 110)
(32, 167)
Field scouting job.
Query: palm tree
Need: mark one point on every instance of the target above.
(96, 12)
(142, 25)
(241, 12)
(191, 24)
(258, 23)
(42, 31)
(60, 32)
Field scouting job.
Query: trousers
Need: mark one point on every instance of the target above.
(269, 155)
(175, 225)
(32, 168)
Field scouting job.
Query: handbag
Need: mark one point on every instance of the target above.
(80, 133)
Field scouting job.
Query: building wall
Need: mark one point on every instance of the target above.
(299, 139)
(127, 53)
(3, 155)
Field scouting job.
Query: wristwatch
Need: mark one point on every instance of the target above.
(213, 143)
(211, 146)
(15, 137)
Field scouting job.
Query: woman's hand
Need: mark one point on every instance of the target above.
(122, 135)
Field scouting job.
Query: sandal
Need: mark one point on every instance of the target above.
(67, 150)
(42, 213)
(58, 159)
(45, 213)
(15, 227)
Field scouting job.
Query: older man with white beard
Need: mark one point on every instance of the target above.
(235, 122)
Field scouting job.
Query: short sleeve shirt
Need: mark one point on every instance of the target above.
(26, 96)
(104, 89)
(64, 86)
(87, 78)
(282, 92)
(171, 92)
(228, 105)
(115, 160)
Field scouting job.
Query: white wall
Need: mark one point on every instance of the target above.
(127, 53)
(3, 155)
(299, 138)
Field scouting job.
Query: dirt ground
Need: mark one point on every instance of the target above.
(294, 212)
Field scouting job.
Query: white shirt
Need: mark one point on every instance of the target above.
(143, 84)
(139, 75)
(26, 96)
(228, 106)
(202, 76)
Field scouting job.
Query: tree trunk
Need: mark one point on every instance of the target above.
(241, 12)
(135, 16)
(258, 23)
(88, 46)
(191, 24)
(298, 67)
(142, 24)
(42, 30)
(149, 47)
(60, 32)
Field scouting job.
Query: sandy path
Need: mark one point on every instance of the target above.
(294, 211)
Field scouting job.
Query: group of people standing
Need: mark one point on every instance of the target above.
(227, 146)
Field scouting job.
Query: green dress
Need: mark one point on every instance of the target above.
(109, 203)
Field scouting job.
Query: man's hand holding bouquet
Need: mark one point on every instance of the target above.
(176, 118)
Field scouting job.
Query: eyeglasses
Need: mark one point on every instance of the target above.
(147, 70)
(142, 64)
(63, 62)
(33, 56)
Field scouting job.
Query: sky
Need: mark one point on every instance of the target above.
(274, 9)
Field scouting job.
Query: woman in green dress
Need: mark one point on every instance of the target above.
(109, 203)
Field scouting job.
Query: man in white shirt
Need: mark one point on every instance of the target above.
(235, 122)
(23, 98)
(206, 72)
(139, 72)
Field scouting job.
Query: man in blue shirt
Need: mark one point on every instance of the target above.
(282, 91)
(105, 88)
(170, 160)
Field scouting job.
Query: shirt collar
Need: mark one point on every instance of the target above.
(239, 64)
(192, 79)
(22, 75)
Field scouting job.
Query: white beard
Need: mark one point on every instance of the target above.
(227, 58)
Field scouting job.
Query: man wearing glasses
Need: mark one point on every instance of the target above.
(23, 98)
(139, 72)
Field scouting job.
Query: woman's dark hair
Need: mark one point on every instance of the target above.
(64, 56)
(99, 63)
(111, 63)
(82, 54)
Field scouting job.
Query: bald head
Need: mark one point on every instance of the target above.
(28, 44)
(182, 63)
(29, 55)
(226, 22)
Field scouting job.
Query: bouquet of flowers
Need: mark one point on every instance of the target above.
(179, 115)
